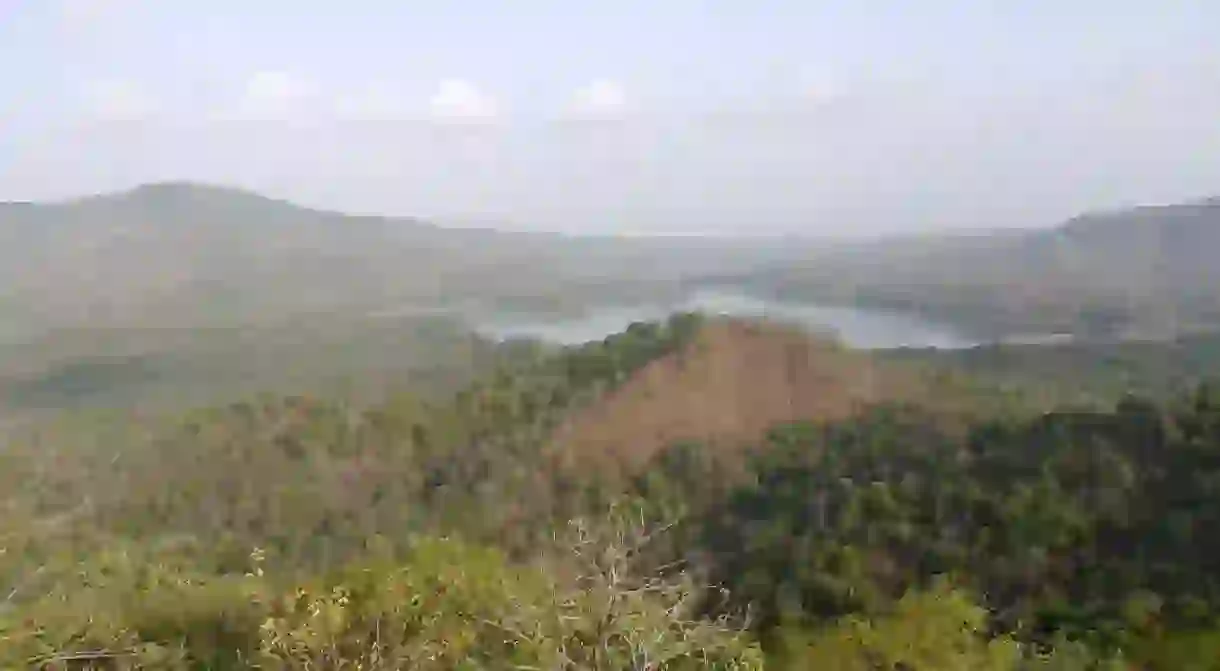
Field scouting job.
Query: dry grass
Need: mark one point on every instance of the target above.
(736, 380)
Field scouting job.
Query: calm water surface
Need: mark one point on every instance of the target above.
(857, 327)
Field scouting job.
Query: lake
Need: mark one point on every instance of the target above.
(857, 327)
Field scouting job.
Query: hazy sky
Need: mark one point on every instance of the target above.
(850, 117)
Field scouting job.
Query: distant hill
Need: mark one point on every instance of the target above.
(1143, 272)
(177, 293)
(1093, 375)
(184, 252)
(187, 254)
(1167, 248)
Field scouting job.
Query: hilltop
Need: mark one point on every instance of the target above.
(186, 254)
(732, 382)
(1143, 272)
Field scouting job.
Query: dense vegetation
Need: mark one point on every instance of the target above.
(177, 368)
(1091, 526)
(450, 533)
(1083, 374)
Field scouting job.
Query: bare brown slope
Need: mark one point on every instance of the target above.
(736, 380)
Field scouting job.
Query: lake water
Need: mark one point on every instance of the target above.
(857, 327)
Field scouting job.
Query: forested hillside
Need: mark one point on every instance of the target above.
(186, 255)
(177, 368)
(736, 379)
(452, 531)
(1080, 374)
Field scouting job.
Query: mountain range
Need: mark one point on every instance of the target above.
(184, 254)
(187, 254)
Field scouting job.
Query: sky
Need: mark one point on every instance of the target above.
(824, 118)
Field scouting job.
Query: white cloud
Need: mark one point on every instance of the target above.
(375, 101)
(459, 100)
(599, 99)
(78, 14)
(119, 99)
(274, 94)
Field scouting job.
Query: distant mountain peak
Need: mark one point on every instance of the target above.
(198, 202)
(191, 192)
(169, 186)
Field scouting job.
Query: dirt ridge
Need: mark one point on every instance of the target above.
(736, 379)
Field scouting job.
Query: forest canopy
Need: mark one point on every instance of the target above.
(307, 532)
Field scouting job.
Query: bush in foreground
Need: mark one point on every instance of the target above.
(449, 605)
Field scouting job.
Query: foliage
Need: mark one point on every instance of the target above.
(940, 630)
(449, 606)
(425, 533)
(1094, 375)
(1090, 525)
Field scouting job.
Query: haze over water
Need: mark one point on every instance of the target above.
(857, 327)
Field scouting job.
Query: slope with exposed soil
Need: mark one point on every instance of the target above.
(732, 383)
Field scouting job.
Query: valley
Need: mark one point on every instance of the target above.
(223, 414)
(678, 336)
